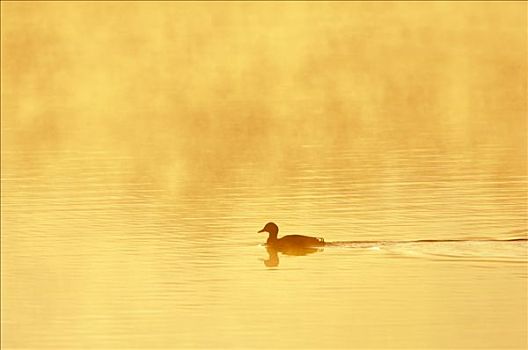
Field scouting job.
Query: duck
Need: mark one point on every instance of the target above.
(290, 242)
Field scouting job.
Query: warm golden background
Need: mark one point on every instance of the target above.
(143, 144)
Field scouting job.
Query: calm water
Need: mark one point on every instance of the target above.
(144, 144)
(96, 256)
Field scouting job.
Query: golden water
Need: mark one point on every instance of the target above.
(145, 144)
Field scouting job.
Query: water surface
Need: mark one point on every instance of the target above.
(144, 144)
(97, 257)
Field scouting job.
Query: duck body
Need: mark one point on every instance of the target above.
(291, 241)
(294, 241)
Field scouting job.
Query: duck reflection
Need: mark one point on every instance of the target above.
(288, 245)
(273, 254)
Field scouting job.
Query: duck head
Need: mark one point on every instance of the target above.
(271, 228)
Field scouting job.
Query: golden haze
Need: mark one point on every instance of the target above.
(145, 143)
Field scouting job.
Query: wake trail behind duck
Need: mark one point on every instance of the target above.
(509, 250)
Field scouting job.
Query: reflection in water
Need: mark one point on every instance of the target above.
(273, 253)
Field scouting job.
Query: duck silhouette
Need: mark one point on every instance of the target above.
(290, 242)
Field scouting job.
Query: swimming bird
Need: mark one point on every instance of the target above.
(290, 242)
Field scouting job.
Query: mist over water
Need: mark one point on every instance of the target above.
(145, 144)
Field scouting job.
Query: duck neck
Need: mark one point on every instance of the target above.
(272, 237)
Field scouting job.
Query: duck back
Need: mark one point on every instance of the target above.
(299, 241)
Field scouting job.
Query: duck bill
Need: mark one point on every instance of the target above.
(260, 231)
